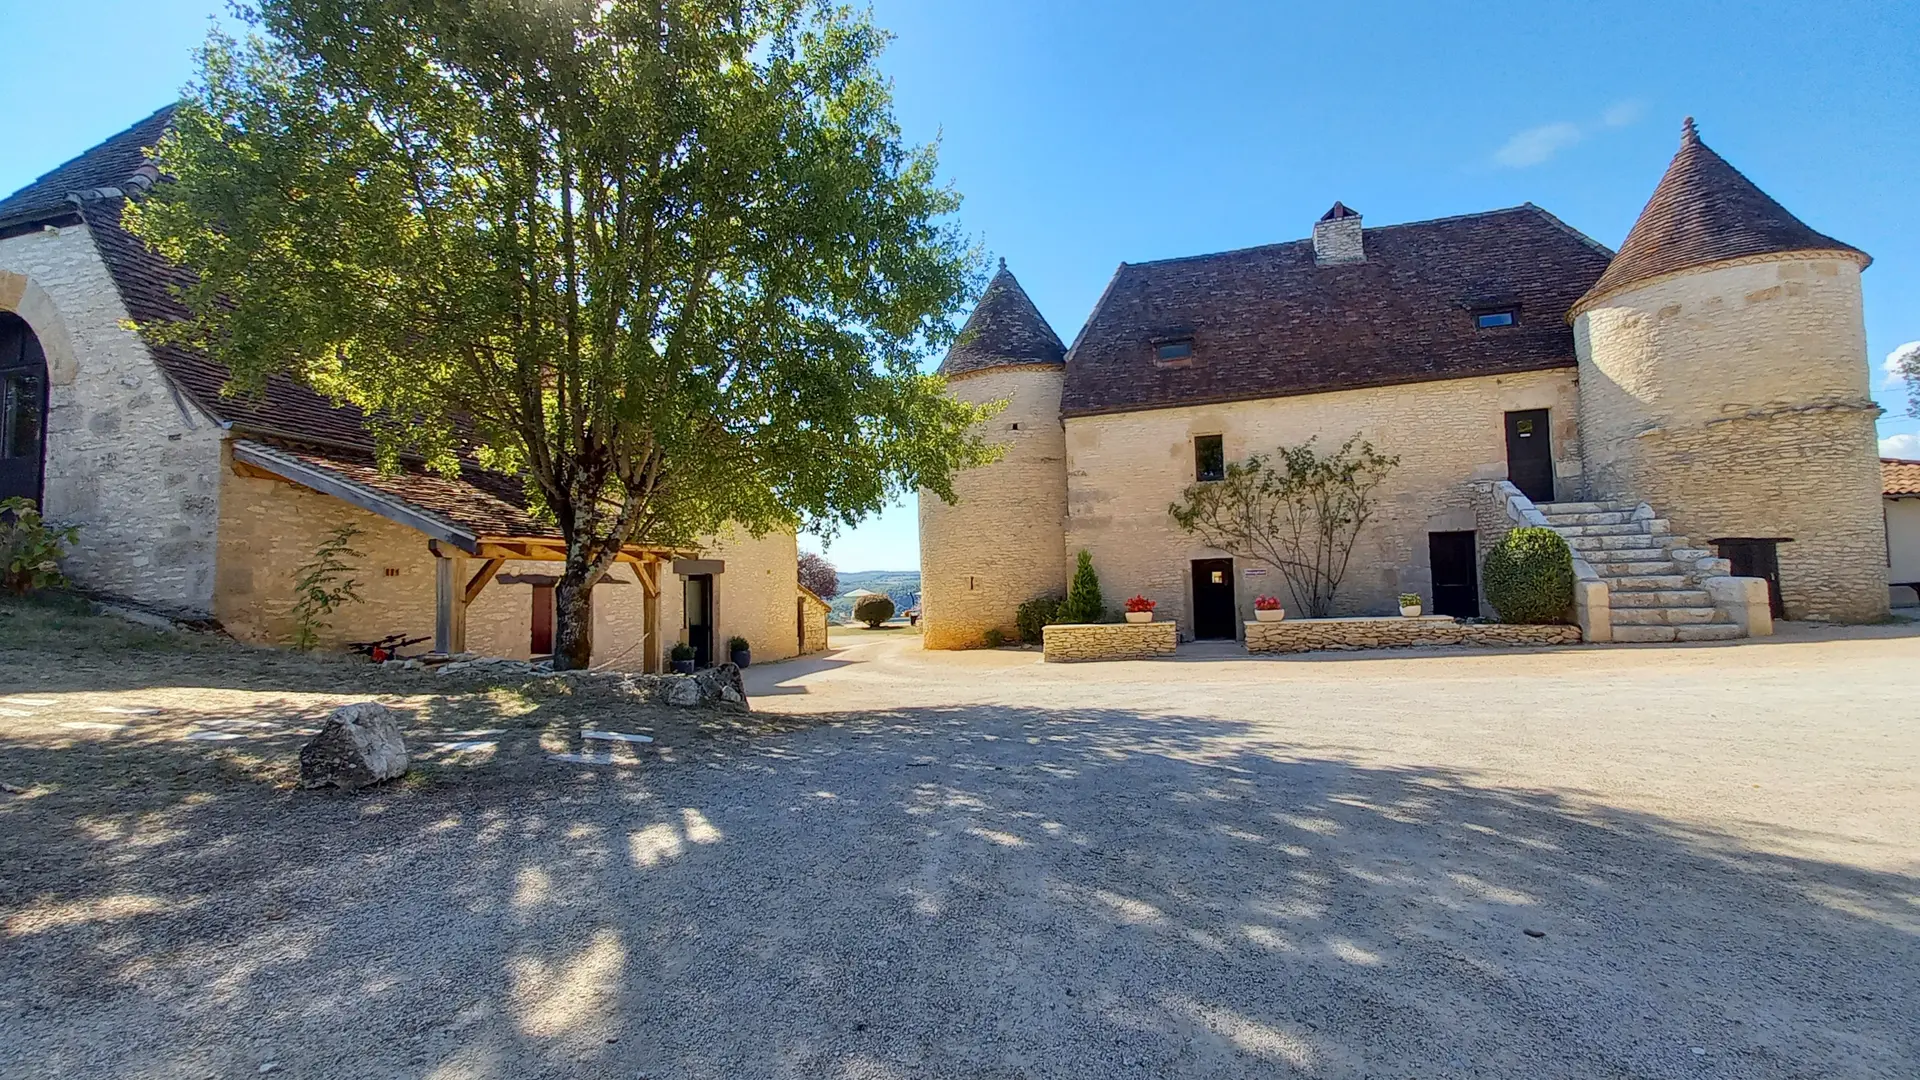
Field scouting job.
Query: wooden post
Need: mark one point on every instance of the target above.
(651, 660)
(450, 604)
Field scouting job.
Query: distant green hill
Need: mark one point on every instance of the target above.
(901, 586)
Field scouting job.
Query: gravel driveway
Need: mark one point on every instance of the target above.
(1596, 862)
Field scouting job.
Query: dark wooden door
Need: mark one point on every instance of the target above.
(1213, 607)
(1756, 558)
(700, 618)
(23, 410)
(542, 630)
(1530, 454)
(1456, 587)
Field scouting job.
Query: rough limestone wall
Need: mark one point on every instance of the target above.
(817, 615)
(754, 598)
(1903, 540)
(1309, 635)
(1736, 401)
(269, 528)
(132, 464)
(1125, 469)
(1108, 641)
(1002, 542)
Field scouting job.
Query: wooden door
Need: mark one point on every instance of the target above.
(700, 618)
(1456, 587)
(1755, 558)
(23, 411)
(1213, 606)
(1530, 454)
(541, 635)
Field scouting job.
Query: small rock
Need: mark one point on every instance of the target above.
(683, 692)
(1530, 932)
(1699, 1051)
(271, 1066)
(360, 744)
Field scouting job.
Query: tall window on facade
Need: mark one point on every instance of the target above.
(1209, 458)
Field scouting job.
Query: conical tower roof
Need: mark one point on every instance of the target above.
(1705, 211)
(1005, 330)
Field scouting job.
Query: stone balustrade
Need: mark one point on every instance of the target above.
(1109, 641)
(1308, 635)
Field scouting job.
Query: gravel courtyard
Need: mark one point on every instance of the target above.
(1593, 862)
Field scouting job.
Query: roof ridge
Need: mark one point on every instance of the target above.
(1447, 220)
(97, 171)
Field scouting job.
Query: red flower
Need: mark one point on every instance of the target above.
(1266, 603)
(1140, 603)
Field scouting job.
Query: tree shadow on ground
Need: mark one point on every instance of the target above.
(974, 891)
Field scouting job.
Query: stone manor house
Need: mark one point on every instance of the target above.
(203, 505)
(1691, 411)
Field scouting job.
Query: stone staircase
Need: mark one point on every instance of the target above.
(1655, 580)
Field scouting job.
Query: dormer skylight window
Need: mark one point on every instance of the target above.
(1494, 320)
(1171, 352)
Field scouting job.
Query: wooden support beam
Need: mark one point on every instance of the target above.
(480, 578)
(449, 608)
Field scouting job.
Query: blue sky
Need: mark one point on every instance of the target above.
(1084, 134)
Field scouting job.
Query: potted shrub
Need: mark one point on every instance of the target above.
(1410, 604)
(1139, 610)
(738, 651)
(1268, 609)
(682, 656)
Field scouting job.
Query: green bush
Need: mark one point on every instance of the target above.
(30, 549)
(681, 651)
(1083, 596)
(994, 637)
(1034, 616)
(873, 610)
(737, 644)
(1529, 577)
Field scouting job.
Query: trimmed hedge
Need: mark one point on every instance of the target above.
(873, 610)
(1529, 577)
(1035, 615)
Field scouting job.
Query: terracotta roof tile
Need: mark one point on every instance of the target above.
(1268, 322)
(1704, 211)
(1899, 477)
(478, 503)
(1005, 330)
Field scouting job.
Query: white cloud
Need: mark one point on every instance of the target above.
(1623, 113)
(1904, 445)
(1902, 360)
(1537, 145)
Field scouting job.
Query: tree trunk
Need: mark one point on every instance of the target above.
(572, 620)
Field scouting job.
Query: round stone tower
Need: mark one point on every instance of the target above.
(1002, 541)
(1724, 380)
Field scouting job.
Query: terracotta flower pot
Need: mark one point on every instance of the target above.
(1274, 615)
(1139, 616)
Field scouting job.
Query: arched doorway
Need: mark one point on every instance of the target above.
(23, 410)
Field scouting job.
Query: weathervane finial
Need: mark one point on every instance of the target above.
(1689, 133)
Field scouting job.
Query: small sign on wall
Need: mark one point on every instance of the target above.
(1256, 571)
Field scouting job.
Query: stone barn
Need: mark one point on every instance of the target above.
(197, 503)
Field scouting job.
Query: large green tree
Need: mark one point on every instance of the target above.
(670, 260)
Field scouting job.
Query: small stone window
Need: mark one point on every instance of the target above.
(1209, 458)
(1495, 320)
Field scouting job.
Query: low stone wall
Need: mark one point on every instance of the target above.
(1109, 641)
(1307, 635)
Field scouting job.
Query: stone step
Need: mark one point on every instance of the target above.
(1608, 528)
(1652, 567)
(1631, 634)
(1664, 616)
(1649, 553)
(1647, 582)
(1614, 542)
(1594, 517)
(1553, 508)
(1688, 554)
(1701, 632)
(1679, 596)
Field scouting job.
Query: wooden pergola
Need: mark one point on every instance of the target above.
(454, 544)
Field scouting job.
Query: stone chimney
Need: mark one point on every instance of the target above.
(1336, 237)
